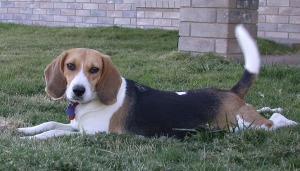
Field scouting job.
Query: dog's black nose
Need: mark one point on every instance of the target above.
(78, 90)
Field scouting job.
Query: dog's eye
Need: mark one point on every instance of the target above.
(71, 66)
(94, 70)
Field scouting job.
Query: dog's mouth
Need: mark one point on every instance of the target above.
(81, 99)
(76, 99)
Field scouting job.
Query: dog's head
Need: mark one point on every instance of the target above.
(83, 75)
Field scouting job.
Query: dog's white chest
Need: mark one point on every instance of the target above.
(92, 117)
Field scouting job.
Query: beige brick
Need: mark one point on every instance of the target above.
(60, 18)
(266, 27)
(83, 1)
(221, 46)
(122, 6)
(75, 19)
(233, 47)
(288, 28)
(12, 10)
(25, 10)
(278, 3)
(89, 6)
(39, 11)
(75, 5)
(174, 15)
(153, 14)
(268, 10)
(3, 11)
(83, 12)
(261, 18)
(65, 0)
(276, 34)
(209, 30)
(133, 21)
(159, 4)
(171, 4)
(141, 4)
(33, 5)
(145, 22)
(198, 15)
(213, 3)
(200, 45)
(260, 34)
(289, 11)
(277, 19)
(114, 14)
(295, 20)
(150, 4)
(90, 19)
(175, 23)
(185, 29)
(46, 5)
(98, 1)
(295, 3)
(129, 1)
(162, 22)
(177, 4)
(109, 7)
(122, 21)
(294, 35)
(67, 11)
(185, 3)
(53, 11)
(60, 5)
(165, 4)
(20, 4)
(140, 14)
(46, 17)
(262, 3)
(33, 17)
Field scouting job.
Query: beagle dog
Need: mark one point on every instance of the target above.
(103, 101)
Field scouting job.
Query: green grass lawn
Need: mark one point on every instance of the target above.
(151, 58)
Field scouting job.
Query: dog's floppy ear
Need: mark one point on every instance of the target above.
(110, 82)
(55, 81)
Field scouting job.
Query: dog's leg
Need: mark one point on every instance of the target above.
(46, 127)
(49, 134)
(281, 121)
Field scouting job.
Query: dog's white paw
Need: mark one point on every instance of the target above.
(27, 130)
(281, 121)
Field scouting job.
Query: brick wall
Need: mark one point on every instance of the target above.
(78, 13)
(279, 19)
(209, 27)
(276, 19)
(158, 14)
(89, 13)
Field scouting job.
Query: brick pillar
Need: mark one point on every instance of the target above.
(208, 25)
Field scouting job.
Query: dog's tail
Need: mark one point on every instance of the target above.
(252, 61)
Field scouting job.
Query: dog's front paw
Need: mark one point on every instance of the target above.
(281, 121)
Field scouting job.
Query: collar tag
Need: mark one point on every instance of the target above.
(71, 110)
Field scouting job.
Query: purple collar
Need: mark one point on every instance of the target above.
(71, 110)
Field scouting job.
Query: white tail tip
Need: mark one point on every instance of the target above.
(249, 49)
